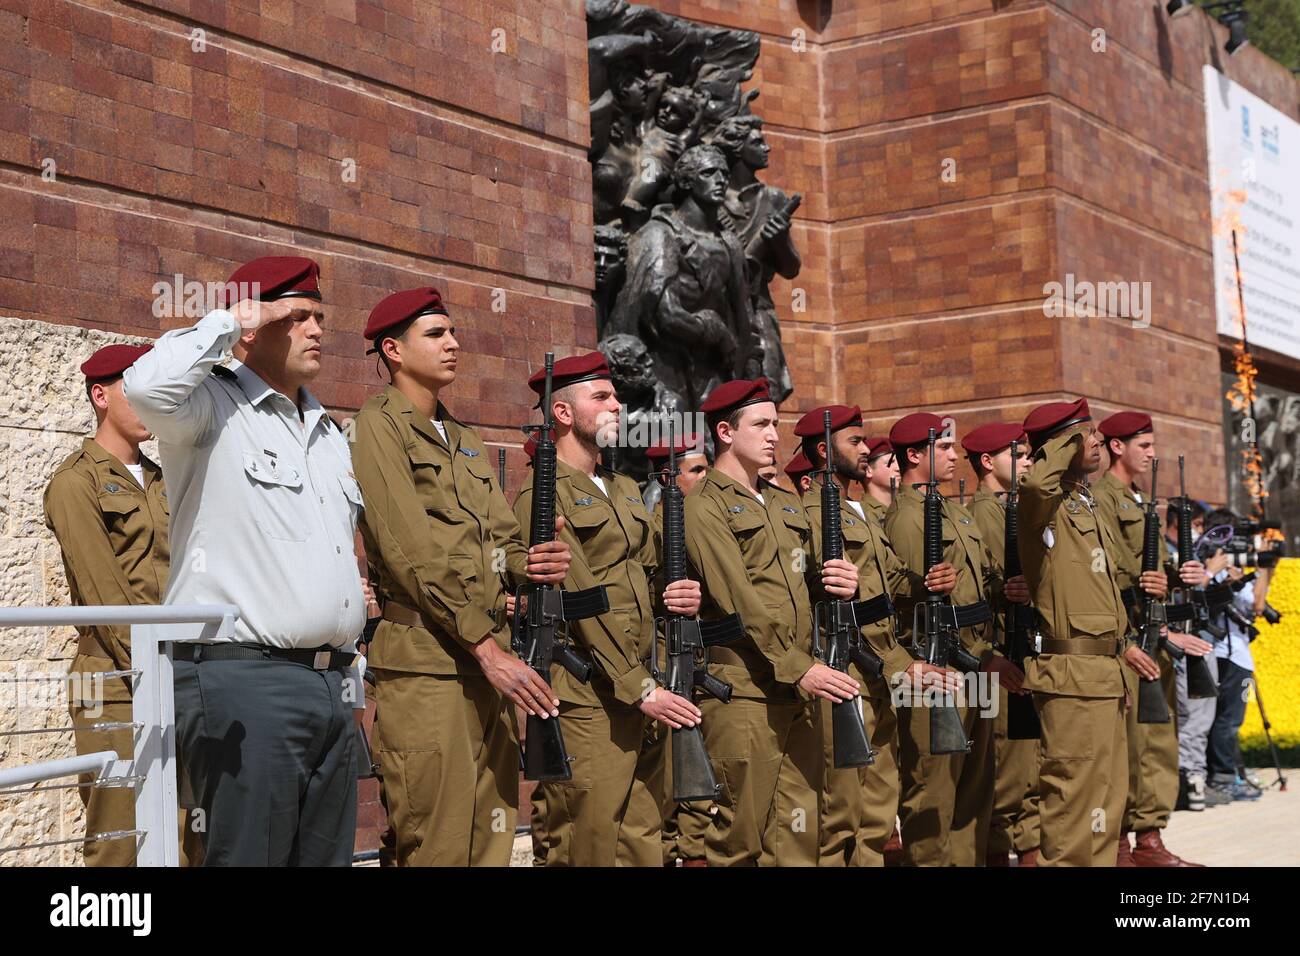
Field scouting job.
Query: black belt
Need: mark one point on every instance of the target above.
(872, 610)
(324, 658)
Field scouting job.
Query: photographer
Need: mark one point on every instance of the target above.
(1195, 716)
(1236, 665)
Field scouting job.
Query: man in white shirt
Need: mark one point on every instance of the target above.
(264, 516)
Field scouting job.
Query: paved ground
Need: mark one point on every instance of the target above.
(1265, 832)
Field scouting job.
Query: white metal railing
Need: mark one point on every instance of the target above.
(152, 769)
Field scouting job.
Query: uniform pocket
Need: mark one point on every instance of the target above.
(276, 490)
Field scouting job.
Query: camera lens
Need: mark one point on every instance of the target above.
(1272, 614)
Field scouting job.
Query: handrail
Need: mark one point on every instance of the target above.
(154, 628)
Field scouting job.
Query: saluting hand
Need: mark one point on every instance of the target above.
(252, 315)
(1016, 590)
(828, 683)
(1137, 659)
(1154, 583)
(840, 579)
(941, 579)
(683, 597)
(1193, 574)
(663, 705)
(515, 680)
(549, 563)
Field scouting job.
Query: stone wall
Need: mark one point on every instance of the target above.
(44, 415)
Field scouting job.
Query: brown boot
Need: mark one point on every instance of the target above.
(994, 858)
(893, 851)
(694, 862)
(1028, 858)
(1150, 851)
(1125, 855)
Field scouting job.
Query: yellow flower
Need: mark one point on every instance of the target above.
(1277, 665)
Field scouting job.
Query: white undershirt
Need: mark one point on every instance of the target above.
(858, 508)
(759, 496)
(438, 425)
(600, 484)
(137, 472)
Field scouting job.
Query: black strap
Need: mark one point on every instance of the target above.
(968, 615)
(1131, 597)
(1177, 613)
(260, 652)
(872, 610)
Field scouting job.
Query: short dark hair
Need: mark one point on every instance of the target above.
(808, 444)
(974, 459)
(392, 332)
(715, 420)
(1220, 516)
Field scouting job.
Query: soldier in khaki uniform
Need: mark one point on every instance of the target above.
(442, 542)
(1066, 550)
(751, 544)
(1014, 825)
(882, 468)
(108, 509)
(1152, 748)
(859, 804)
(611, 812)
(947, 798)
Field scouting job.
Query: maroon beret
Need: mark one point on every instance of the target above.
(1046, 420)
(1125, 425)
(569, 371)
(798, 466)
(689, 445)
(401, 306)
(993, 437)
(877, 446)
(914, 429)
(276, 277)
(111, 361)
(842, 416)
(729, 396)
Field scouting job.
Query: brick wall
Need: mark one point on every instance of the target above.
(928, 293)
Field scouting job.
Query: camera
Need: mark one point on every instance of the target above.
(1271, 614)
(1254, 544)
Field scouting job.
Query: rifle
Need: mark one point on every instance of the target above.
(1200, 682)
(1021, 622)
(687, 642)
(534, 636)
(934, 628)
(755, 244)
(501, 469)
(837, 635)
(1152, 706)
(893, 489)
(961, 492)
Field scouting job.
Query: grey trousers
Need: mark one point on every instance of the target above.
(267, 747)
(1194, 720)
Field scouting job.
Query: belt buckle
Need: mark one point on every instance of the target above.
(321, 661)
